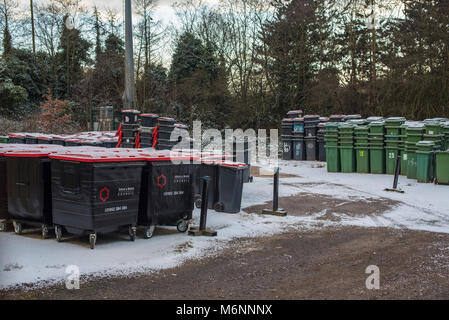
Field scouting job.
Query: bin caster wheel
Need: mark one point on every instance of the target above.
(218, 207)
(3, 226)
(198, 202)
(132, 233)
(92, 240)
(44, 232)
(183, 226)
(17, 227)
(251, 179)
(149, 232)
(58, 233)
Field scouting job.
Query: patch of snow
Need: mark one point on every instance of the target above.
(422, 207)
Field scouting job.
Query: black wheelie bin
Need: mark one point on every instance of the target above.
(96, 192)
(29, 187)
(167, 192)
(229, 187)
(4, 215)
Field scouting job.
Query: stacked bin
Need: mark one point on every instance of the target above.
(287, 139)
(148, 122)
(299, 151)
(321, 142)
(376, 147)
(129, 128)
(332, 150)
(392, 140)
(362, 149)
(425, 154)
(336, 118)
(17, 138)
(346, 141)
(165, 128)
(310, 131)
(414, 135)
(434, 132)
(294, 114)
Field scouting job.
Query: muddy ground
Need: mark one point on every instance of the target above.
(327, 263)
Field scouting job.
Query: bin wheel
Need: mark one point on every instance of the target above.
(132, 233)
(219, 207)
(58, 233)
(17, 227)
(92, 240)
(198, 201)
(251, 179)
(3, 226)
(149, 232)
(44, 232)
(183, 226)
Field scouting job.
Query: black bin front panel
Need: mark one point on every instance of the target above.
(230, 188)
(3, 195)
(29, 189)
(170, 193)
(101, 198)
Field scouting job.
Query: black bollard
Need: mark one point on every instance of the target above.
(276, 210)
(396, 176)
(202, 230)
(276, 190)
(204, 202)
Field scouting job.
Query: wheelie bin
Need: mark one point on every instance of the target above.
(4, 215)
(229, 187)
(442, 167)
(425, 161)
(96, 192)
(167, 195)
(29, 188)
(287, 147)
(17, 138)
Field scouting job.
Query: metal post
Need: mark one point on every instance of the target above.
(276, 190)
(201, 230)
(397, 172)
(129, 98)
(396, 177)
(276, 211)
(204, 203)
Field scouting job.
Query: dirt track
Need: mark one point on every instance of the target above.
(324, 264)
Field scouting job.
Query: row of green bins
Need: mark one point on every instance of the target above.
(332, 150)
(376, 147)
(414, 135)
(425, 161)
(442, 167)
(393, 137)
(362, 149)
(346, 141)
(4, 139)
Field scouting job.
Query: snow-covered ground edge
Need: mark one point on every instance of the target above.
(24, 260)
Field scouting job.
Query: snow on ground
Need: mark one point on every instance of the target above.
(28, 259)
